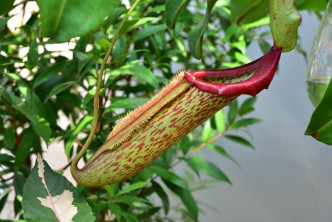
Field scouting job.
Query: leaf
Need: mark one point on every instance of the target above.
(132, 187)
(49, 196)
(172, 11)
(9, 138)
(47, 74)
(284, 22)
(247, 11)
(139, 71)
(86, 120)
(240, 140)
(126, 103)
(315, 5)
(169, 176)
(163, 196)
(244, 122)
(58, 89)
(208, 168)
(39, 125)
(126, 199)
(207, 132)
(223, 152)
(187, 199)
(33, 52)
(232, 112)
(320, 125)
(146, 32)
(195, 38)
(64, 19)
(6, 5)
(130, 217)
(247, 106)
(23, 149)
(116, 210)
(133, 23)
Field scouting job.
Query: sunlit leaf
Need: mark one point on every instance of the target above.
(207, 132)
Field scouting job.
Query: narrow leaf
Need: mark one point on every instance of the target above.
(208, 168)
(172, 11)
(169, 176)
(132, 187)
(58, 89)
(146, 32)
(240, 140)
(195, 38)
(244, 122)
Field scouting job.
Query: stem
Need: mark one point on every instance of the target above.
(100, 80)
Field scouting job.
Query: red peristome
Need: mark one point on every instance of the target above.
(263, 68)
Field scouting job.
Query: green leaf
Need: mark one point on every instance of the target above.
(244, 122)
(86, 120)
(39, 125)
(232, 112)
(163, 196)
(320, 126)
(247, 106)
(58, 89)
(47, 74)
(127, 199)
(208, 168)
(133, 23)
(64, 19)
(247, 11)
(240, 140)
(314, 5)
(207, 132)
(130, 217)
(169, 176)
(172, 11)
(23, 151)
(187, 199)
(284, 22)
(6, 5)
(195, 38)
(116, 210)
(132, 187)
(33, 52)
(9, 138)
(147, 32)
(223, 152)
(51, 197)
(126, 103)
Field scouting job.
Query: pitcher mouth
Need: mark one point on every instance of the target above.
(248, 79)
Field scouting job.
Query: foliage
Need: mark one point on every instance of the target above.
(42, 83)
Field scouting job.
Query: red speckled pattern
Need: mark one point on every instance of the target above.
(147, 132)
